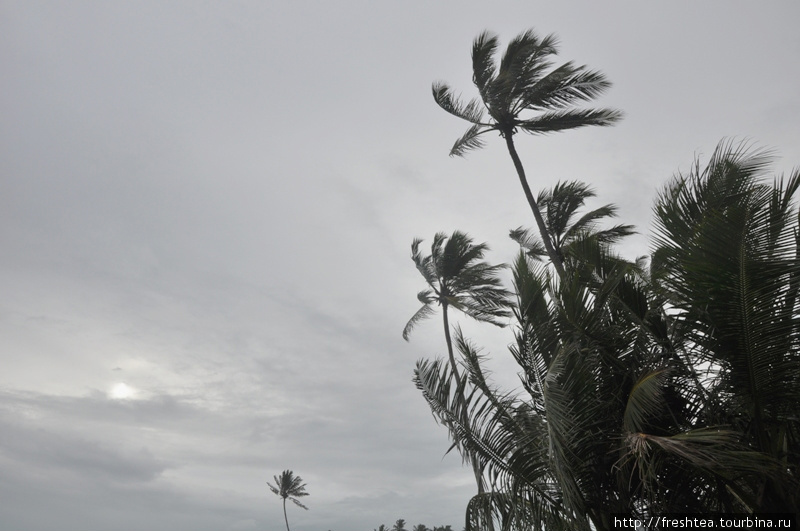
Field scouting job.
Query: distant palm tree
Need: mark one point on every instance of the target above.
(291, 487)
(525, 83)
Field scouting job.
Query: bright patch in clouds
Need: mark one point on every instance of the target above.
(122, 390)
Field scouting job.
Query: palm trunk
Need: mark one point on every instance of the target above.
(284, 514)
(555, 257)
(450, 347)
(461, 398)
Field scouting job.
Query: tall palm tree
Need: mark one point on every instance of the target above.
(457, 278)
(289, 487)
(525, 93)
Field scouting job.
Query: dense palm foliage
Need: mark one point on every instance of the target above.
(673, 388)
(288, 486)
(525, 92)
(726, 263)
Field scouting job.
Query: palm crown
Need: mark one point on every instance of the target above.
(456, 277)
(524, 82)
(289, 487)
(560, 206)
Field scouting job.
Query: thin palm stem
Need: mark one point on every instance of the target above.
(284, 515)
(555, 257)
(449, 341)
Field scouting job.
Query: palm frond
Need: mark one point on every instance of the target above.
(489, 434)
(423, 313)
(423, 264)
(529, 241)
(472, 111)
(483, 66)
(297, 502)
(562, 120)
(562, 87)
(645, 400)
(469, 141)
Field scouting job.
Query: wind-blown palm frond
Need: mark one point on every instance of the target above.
(494, 431)
(469, 141)
(483, 66)
(471, 112)
(427, 299)
(551, 122)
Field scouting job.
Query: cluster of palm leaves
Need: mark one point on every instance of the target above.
(647, 386)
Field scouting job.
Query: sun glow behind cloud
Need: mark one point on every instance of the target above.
(122, 391)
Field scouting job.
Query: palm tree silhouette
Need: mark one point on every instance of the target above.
(291, 487)
(457, 277)
(525, 83)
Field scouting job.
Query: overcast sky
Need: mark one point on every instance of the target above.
(206, 210)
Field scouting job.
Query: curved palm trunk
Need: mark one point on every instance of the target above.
(555, 257)
(284, 515)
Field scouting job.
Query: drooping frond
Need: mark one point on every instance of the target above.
(469, 141)
(425, 311)
(297, 502)
(471, 112)
(645, 400)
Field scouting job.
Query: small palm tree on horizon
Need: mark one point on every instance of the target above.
(289, 487)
